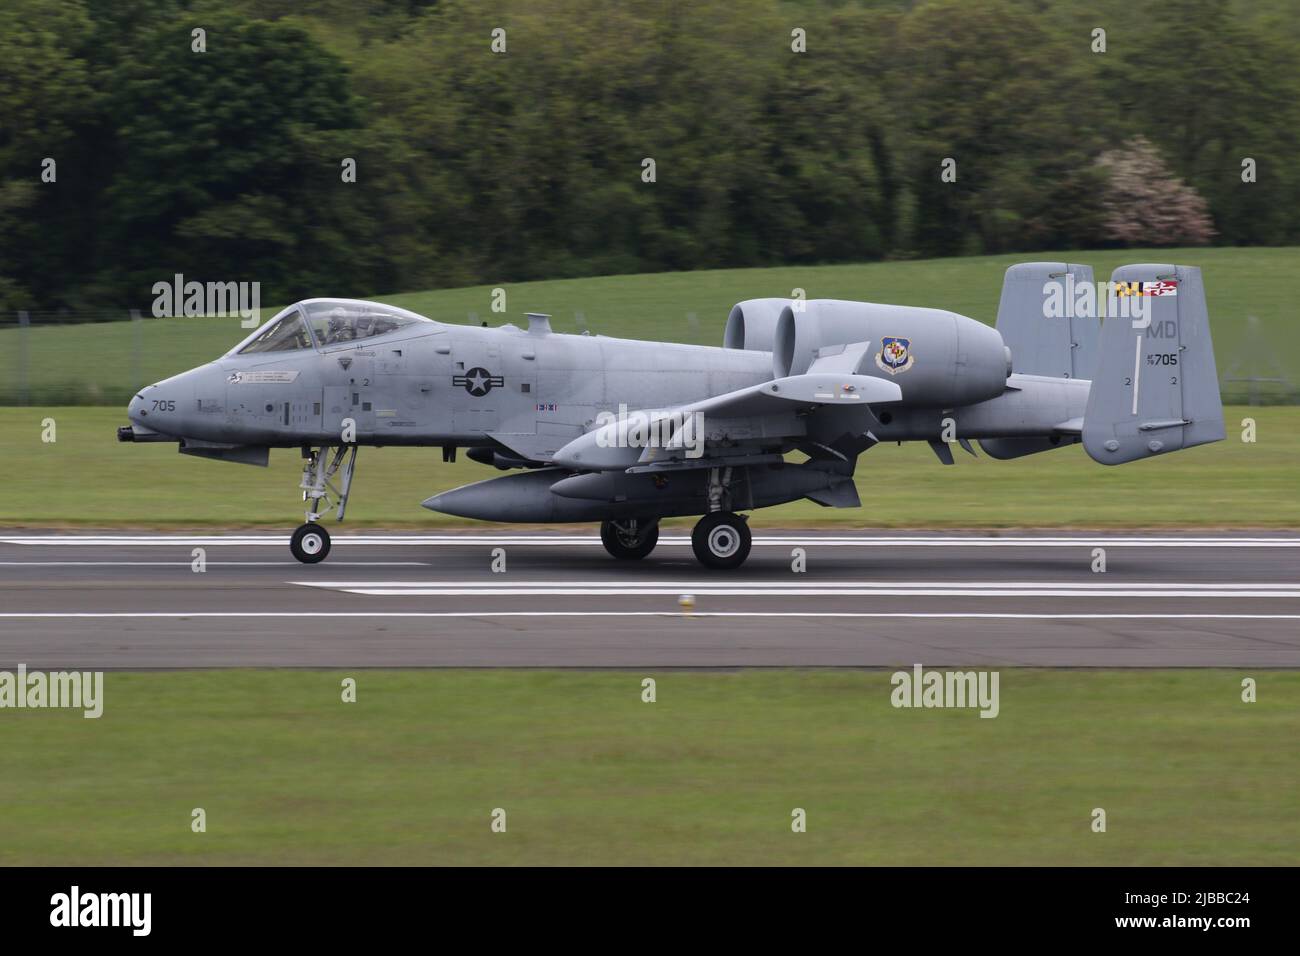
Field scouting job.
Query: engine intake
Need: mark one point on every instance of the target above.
(752, 324)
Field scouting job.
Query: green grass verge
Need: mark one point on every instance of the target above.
(106, 363)
(86, 478)
(709, 774)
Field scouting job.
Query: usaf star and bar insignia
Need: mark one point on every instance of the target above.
(478, 381)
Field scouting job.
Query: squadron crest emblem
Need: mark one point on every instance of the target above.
(895, 354)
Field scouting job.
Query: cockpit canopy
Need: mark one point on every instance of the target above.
(325, 322)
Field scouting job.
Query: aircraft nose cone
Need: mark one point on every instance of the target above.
(140, 429)
(164, 406)
(135, 409)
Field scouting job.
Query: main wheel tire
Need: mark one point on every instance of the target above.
(310, 543)
(721, 540)
(629, 546)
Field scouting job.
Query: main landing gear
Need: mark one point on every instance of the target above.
(311, 542)
(721, 540)
(631, 539)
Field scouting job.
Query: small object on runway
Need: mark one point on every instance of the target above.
(687, 603)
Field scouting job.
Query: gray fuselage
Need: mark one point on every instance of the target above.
(441, 384)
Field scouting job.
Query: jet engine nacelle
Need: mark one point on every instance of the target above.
(935, 357)
(752, 324)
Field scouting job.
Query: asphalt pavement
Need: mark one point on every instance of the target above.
(134, 600)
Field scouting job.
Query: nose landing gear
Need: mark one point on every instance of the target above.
(311, 542)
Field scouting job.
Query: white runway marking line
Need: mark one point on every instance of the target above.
(981, 589)
(952, 615)
(958, 615)
(798, 585)
(828, 592)
(288, 562)
(780, 540)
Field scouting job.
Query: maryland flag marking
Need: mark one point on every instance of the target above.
(1159, 288)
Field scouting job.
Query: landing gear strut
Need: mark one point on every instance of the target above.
(629, 540)
(311, 542)
(721, 540)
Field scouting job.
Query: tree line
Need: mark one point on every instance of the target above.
(329, 147)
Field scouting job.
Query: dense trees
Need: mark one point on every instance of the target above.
(1144, 203)
(475, 165)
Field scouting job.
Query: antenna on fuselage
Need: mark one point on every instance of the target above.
(539, 323)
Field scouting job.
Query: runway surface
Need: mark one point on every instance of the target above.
(121, 600)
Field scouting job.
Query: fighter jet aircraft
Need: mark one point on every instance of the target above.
(629, 432)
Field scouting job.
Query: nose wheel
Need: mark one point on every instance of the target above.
(310, 543)
(721, 540)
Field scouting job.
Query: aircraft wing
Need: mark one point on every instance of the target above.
(799, 392)
(724, 429)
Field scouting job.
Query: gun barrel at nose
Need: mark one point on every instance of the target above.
(136, 433)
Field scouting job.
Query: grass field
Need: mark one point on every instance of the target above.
(709, 774)
(106, 363)
(87, 478)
